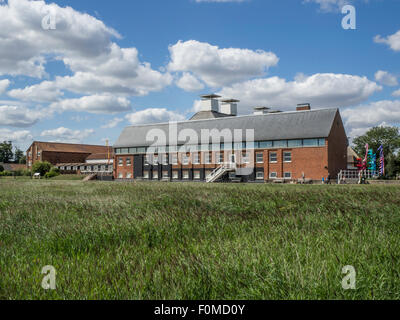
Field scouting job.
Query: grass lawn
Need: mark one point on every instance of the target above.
(198, 241)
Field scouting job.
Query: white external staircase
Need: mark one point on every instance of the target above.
(220, 171)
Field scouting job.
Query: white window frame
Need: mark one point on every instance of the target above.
(196, 175)
(165, 174)
(120, 162)
(246, 157)
(196, 158)
(120, 175)
(155, 160)
(129, 175)
(262, 157)
(261, 177)
(270, 157)
(174, 159)
(284, 175)
(185, 174)
(207, 158)
(273, 177)
(128, 162)
(185, 159)
(175, 175)
(284, 156)
(146, 174)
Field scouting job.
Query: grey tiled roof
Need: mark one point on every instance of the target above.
(276, 126)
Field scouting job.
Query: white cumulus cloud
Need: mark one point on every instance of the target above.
(219, 66)
(321, 90)
(67, 135)
(113, 123)
(46, 91)
(363, 117)
(98, 104)
(393, 41)
(18, 116)
(189, 83)
(386, 78)
(153, 115)
(4, 85)
(15, 136)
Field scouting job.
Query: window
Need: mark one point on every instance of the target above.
(207, 158)
(38, 154)
(103, 168)
(75, 168)
(124, 150)
(196, 158)
(141, 150)
(128, 162)
(82, 168)
(62, 168)
(146, 175)
(185, 174)
(280, 144)
(155, 175)
(132, 150)
(321, 142)
(174, 159)
(120, 162)
(185, 159)
(287, 157)
(310, 142)
(287, 175)
(164, 159)
(155, 160)
(273, 175)
(165, 174)
(196, 175)
(129, 175)
(175, 175)
(220, 157)
(120, 176)
(147, 159)
(260, 157)
(246, 157)
(273, 157)
(295, 143)
(208, 172)
(265, 144)
(260, 175)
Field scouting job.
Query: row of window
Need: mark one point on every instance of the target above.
(96, 168)
(230, 146)
(164, 158)
(197, 175)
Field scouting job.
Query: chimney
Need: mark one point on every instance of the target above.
(259, 111)
(229, 106)
(209, 102)
(303, 107)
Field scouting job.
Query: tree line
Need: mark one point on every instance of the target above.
(10, 154)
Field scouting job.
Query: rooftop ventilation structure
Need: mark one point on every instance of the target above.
(209, 102)
(229, 106)
(303, 107)
(259, 111)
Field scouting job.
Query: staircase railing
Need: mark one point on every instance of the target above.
(218, 172)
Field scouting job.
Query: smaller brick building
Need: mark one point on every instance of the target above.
(58, 153)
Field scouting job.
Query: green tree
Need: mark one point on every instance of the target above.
(389, 137)
(6, 153)
(18, 155)
(1, 168)
(41, 167)
(22, 160)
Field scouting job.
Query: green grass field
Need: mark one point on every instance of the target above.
(198, 241)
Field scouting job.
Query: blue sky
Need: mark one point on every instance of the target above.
(108, 64)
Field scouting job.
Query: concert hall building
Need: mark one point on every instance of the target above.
(284, 146)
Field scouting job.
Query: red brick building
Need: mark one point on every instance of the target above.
(58, 153)
(305, 143)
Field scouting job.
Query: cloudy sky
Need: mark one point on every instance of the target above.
(79, 71)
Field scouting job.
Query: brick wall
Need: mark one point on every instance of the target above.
(124, 168)
(337, 146)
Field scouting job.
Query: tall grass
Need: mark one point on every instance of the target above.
(198, 241)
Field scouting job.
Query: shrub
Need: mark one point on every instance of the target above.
(1, 168)
(54, 172)
(41, 167)
(6, 174)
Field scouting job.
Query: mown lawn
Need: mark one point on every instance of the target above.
(198, 241)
